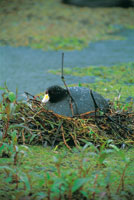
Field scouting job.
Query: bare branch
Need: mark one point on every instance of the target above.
(63, 79)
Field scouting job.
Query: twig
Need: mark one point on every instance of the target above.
(95, 104)
(108, 117)
(75, 141)
(95, 182)
(108, 191)
(122, 179)
(16, 157)
(65, 139)
(23, 137)
(122, 127)
(63, 79)
(57, 132)
(28, 94)
(33, 98)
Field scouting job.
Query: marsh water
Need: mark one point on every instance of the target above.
(27, 69)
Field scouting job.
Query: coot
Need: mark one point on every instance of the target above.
(57, 99)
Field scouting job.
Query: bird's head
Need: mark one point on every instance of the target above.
(54, 94)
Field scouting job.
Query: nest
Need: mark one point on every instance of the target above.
(36, 125)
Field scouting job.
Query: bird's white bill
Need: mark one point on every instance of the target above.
(45, 99)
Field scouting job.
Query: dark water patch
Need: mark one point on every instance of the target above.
(27, 68)
(129, 99)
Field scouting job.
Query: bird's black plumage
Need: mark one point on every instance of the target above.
(82, 101)
(56, 93)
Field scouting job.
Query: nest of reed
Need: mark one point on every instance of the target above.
(36, 125)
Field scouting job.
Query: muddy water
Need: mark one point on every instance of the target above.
(27, 69)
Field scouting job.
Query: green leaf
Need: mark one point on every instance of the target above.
(1, 135)
(2, 88)
(18, 126)
(114, 147)
(48, 176)
(12, 96)
(2, 147)
(12, 108)
(14, 137)
(78, 183)
(102, 157)
(25, 179)
(33, 136)
(41, 195)
(85, 194)
(6, 168)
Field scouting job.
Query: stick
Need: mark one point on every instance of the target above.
(63, 79)
(28, 94)
(62, 132)
(108, 117)
(95, 104)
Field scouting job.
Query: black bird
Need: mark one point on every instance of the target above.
(58, 100)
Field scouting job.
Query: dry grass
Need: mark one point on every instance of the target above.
(36, 125)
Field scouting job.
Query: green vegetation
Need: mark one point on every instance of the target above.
(115, 82)
(92, 170)
(53, 25)
(87, 173)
